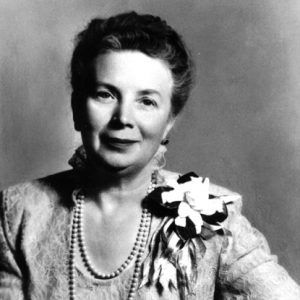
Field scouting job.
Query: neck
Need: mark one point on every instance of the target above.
(117, 188)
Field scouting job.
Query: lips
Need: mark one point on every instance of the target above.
(118, 142)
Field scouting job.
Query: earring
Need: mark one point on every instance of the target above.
(165, 142)
(160, 154)
(115, 118)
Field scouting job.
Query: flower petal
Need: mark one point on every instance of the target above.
(199, 192)
(179, 221)
(170, 196)
(196, 218)
(184, 209)
(212, 206)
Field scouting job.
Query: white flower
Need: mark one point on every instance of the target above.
(194, 200)
(195, 188)
(184, 211)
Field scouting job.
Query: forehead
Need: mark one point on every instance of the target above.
(133, 69)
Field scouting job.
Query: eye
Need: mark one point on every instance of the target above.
(104, 96)
(146, 101)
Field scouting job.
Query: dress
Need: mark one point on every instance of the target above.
(34, 248)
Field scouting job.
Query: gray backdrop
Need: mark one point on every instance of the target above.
(241, 127)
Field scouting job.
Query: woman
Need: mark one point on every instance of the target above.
(118, 226)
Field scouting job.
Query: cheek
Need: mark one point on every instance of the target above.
(94, 124)
(154, 128)
(95, 117)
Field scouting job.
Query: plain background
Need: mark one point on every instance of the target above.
(241, 127)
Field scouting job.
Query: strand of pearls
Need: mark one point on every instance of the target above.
(141, 241)
(77, 233)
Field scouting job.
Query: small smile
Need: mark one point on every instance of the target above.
(118, 142)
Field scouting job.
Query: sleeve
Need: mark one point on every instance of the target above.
(247, 268)
(10, 274)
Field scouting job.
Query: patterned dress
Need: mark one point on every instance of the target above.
(34, 253)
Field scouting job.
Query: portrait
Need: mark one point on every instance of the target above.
(150, 149)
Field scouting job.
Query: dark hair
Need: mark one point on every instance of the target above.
(130, 31)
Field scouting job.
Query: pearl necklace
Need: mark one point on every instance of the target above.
(137, 251)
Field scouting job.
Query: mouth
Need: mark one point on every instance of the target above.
(118, 142)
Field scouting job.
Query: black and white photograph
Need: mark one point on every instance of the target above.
(150, 149)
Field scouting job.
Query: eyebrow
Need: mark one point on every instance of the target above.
(108, 86)
(117, 91)
(149, 91)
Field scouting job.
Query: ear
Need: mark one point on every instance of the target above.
(77, 122)
(77, 111)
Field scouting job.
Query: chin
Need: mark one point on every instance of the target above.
(119, 162)
(114, 165)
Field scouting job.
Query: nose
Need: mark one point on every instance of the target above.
(123, 114)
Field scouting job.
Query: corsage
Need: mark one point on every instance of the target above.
(190, 215)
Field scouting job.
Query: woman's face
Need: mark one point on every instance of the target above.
(129, 112)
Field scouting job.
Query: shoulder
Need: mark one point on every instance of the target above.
(29, 193)
(35, 197)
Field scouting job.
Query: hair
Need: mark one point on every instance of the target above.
(130, 31)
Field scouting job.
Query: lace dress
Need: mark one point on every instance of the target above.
(34, 248)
